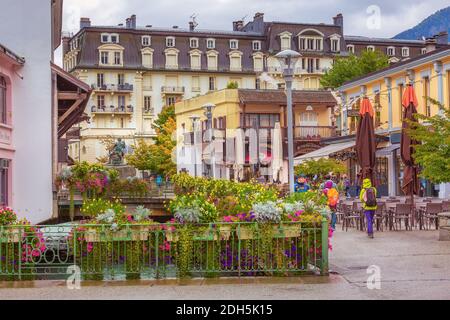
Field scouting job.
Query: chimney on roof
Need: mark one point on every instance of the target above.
(65, 44)
(442, 38)
(339, 20)
(128, 23)
(430, 44)
(84, 23)
(238, 25)
(133, 21)
(191, 26)
(258, 16)
(175, 27)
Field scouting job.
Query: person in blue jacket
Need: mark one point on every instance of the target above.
(301, 185)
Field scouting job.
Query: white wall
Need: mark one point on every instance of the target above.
(25, 28)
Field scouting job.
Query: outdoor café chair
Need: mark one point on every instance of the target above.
(403, 211)
(358, 210)
(349, 218)
(429, 215)
(380, 216)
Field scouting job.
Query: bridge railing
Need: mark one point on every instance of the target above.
(149, 251)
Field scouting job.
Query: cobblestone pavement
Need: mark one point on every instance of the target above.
(412, 265)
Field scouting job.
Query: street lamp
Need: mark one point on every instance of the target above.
(210, 137)
(288, 59)
(194, 119)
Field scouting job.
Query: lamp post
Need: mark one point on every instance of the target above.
(287, 59)
(194, 119)
(210, 136)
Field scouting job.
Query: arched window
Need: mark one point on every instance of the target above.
(3, 107)
(235, 61)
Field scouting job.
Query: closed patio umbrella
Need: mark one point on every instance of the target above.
(239, 147)
(365, 141)
(277, 152)
(410, 172)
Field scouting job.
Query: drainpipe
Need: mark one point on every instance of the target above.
(388, 83)
(438, 70)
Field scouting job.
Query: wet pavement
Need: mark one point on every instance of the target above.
(410, 264)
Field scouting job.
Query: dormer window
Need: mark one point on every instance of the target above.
(105, 38)
(256, 45)
(351, 48)
(234, 44)
(109, 38)
(285, 39)
(310, 40)
(104, 57)
(114, 38)
(193, 43)
(390, 51)
(146, 41)
(335, 43)
(210, 43)
(405, 52)
(170, 42)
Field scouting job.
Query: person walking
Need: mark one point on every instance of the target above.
(346, 182)
(301, 185)
(332, 200)
(368, 197)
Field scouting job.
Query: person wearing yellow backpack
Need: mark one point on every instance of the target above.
(332, 200)
(368, 197)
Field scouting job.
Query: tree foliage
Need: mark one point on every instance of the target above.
(141, 157)
(433, 154)
(158, 156)
(232, 85)
(348, 68)
(320, 167)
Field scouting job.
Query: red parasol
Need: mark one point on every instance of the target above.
(410, 173)
(365, 141)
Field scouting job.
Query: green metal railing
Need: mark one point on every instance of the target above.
(163, 250)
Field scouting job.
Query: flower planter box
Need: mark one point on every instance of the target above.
(11, 235)
(171, 235)
(246, 233)
(287, 231)
(225, 232)
(135, 234)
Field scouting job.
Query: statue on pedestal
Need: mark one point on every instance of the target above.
(117, 153)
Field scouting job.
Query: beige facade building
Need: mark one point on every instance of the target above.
(135, 71)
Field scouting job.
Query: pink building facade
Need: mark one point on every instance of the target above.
(10, 65)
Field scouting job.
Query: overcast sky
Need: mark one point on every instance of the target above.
(395, 15)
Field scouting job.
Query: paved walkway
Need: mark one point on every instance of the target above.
(412, 264)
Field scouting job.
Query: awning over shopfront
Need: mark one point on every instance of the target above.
(324, 152)
(388, 150)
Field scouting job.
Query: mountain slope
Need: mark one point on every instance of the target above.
(437, 22)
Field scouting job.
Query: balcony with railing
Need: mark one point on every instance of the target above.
(205, 136)
(112, 109)
(314, 133)
(124, 88)
(303, 133)
(148, 111)
(172, 90)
